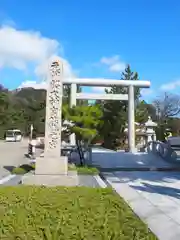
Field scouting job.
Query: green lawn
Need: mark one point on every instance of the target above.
(36, 213)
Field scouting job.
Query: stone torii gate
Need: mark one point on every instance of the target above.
(52, 169)
(115, 97)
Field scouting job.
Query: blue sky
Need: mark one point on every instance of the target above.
(95, 38)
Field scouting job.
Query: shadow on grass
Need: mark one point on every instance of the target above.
(24, 168)
(27, 167)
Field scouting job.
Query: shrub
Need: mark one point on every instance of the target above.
(84, 169)
(67, 213)
(33, 166)
(22, 169)
(80, 169)
(87, 170)
(19, 171)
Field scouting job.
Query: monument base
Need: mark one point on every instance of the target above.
(51, 166)
(51, 172)
(68, 180)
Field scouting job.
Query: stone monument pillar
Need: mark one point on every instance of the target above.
(73, 103)
(53, 163)
(52, 169)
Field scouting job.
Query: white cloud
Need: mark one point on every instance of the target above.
(114, 63)
(42, 69)
(33, 84)
(170, 86)
(18, 48)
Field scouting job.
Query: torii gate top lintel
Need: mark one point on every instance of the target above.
(102, 82)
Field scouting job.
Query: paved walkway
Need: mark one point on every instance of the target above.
(154, 196)
(105, 158)
(12, 155)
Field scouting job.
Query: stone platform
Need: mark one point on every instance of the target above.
(51, 171)
(69, 179)
(51, 165)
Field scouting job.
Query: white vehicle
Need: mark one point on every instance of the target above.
(14, 135)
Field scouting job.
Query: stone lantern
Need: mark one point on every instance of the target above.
(150, 132)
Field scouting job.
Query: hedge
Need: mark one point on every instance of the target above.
(77, 213)
(87, 170)
(22, 169)
(80, 169)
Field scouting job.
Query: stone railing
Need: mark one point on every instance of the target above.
(164, 150)
(74, 157)
(70, 151)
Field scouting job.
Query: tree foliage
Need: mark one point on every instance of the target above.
(84, 121)
(167, 107)
(21, 108)
(115, 112)
(141, 112)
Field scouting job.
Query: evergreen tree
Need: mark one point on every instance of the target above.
(84, 121)
(115, 112)
(141, 112)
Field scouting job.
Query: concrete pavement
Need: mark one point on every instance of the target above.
(108, 159)
(154, 197)
(12, 155)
